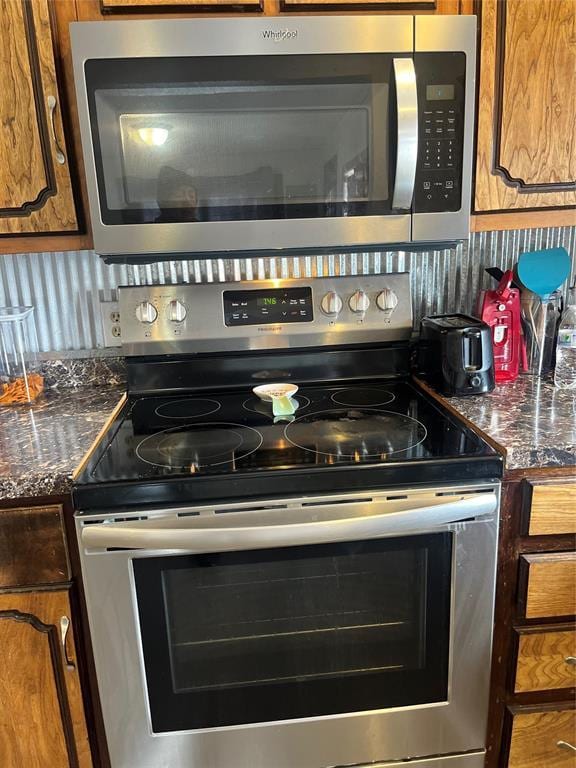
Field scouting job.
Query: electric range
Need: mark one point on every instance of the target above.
(313, 589)
(224, 444)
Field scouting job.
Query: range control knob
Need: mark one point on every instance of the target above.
(387, 300)
(331, 304)
(146, 312)
(176, 311)
(359, 302)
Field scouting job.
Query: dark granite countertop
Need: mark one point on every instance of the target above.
(42, 444)
(530, 418)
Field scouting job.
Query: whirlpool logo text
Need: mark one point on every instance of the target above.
(278, 36)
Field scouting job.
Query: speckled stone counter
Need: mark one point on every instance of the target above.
(531, 419)
(41, 445)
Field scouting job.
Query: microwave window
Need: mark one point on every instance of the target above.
(222, 139)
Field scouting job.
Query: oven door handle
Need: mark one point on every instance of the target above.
(225, 538)
(407, 139)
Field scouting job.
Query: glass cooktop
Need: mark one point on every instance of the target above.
(234, 434)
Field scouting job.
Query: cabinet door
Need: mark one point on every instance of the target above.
(527, 106)
(547, 585)
(41, 711)
(35, 189)
(543, 739)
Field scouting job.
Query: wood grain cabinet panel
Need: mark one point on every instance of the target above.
(527, 106)
(535, 738)
(35, 187)
(394, 6)
(32, 547)
(546, 659)
(552, 509)
(548, 585)
(146, 6)
(42, 719)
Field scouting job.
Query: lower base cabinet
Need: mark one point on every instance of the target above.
(532, 718)
(42, 723)
(543, 740)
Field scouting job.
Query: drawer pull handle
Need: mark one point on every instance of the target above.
(570, 660)
(60, 157)
(64, 627)
(566, 745)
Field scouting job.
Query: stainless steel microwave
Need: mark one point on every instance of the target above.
(218, 137)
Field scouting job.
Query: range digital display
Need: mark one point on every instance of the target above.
(276, 306)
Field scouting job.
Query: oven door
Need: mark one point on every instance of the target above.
(215, 136)
(308, 633)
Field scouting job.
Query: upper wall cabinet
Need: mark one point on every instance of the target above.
(527, 108)
(35, 189)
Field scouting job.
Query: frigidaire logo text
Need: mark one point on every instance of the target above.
(278, 35)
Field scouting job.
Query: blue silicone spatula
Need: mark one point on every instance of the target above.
(542, 272)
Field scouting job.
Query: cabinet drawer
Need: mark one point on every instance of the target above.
(552, 509)
(32, 547)
(535, 738)
(548, 585)
(546, 659)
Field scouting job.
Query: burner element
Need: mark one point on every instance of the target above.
(355, 434)
(187, 408)
(359, 397)
(193, 446)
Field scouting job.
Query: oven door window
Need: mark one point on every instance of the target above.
(238, 138)
(279, 634)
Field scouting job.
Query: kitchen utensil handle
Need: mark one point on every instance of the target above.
(566, 745)
(407, 139)
(60, 157)
(223, 539)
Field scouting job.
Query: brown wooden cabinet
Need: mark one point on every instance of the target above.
(542, 739)
(35, 184)
(533, 664)
(526, 150)
(41, 711)
(392, 6)
(42, 718)
(271, 7)
(163, 6)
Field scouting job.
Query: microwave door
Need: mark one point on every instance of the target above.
(224, 154)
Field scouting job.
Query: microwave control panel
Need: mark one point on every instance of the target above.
(440, 78)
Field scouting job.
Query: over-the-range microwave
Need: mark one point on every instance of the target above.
(218, 137)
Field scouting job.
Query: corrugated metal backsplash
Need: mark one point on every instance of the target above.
(66, 288)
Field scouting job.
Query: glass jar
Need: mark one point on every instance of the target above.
(540, 318)
(20, 379)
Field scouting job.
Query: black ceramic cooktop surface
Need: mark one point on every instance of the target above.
(171, 445)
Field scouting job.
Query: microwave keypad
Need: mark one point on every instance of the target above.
(439, 164)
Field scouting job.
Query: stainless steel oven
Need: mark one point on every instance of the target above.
(227, 136)
(307, 632)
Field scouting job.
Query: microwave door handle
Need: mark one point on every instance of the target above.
(228, 539)
(407, 139)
